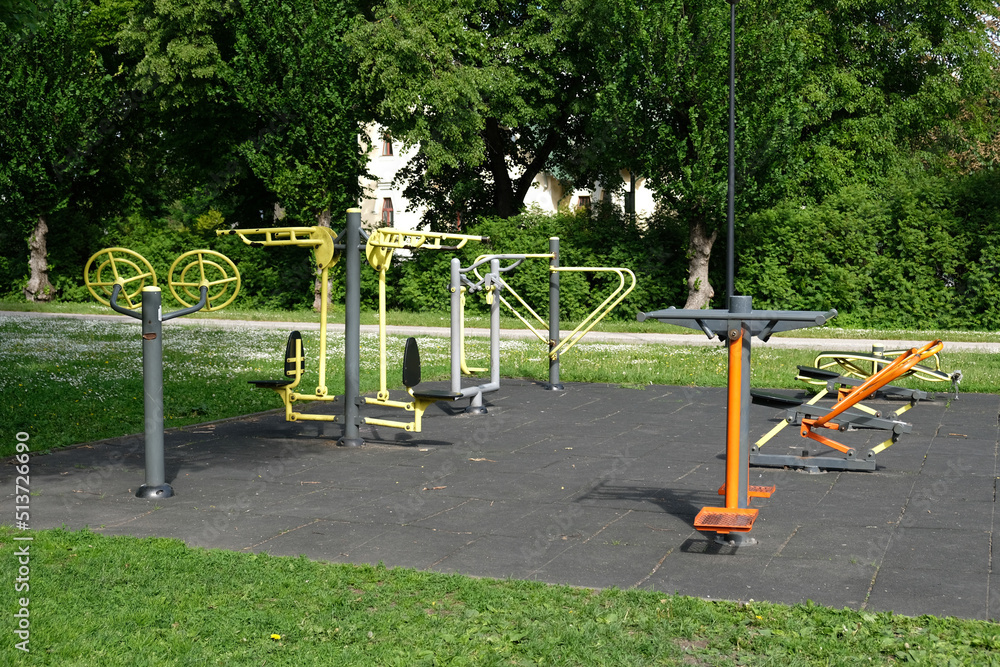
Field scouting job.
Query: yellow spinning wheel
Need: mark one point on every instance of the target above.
(118, 266)
(205, 268)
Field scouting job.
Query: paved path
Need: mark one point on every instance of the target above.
(693, 338)
(593, 486)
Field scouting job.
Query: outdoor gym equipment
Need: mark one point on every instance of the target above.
(381, 245)
(847, 414)
(328, 249)
(208, 278)
(737, 326)
(493, 285)
(863, 365)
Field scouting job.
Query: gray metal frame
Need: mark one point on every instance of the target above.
(152, 319)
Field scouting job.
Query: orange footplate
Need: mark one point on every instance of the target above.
(725, 520)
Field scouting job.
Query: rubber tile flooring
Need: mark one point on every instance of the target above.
(594, 486)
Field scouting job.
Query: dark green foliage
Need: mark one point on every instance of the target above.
(292, 71)
(921, 254)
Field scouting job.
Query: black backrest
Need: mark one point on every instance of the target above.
(411, 363)
(818, 373)
(292, 354)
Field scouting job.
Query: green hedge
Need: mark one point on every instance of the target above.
(916, 255)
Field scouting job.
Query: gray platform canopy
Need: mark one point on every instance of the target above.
(758, 323)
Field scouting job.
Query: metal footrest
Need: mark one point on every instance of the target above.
(820, 462)
(725, 520)
(773, 400)
(754, 491)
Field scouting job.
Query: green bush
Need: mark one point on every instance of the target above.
(918, 254)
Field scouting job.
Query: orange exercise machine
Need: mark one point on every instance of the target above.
(737, 326)
(847, 414)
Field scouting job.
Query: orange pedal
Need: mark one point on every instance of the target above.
(725, 520)
(753, 491)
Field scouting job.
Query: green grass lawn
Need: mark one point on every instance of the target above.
(104, 600)
(97, 600)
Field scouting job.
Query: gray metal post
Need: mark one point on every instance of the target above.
(456, 334)
(554, 382)
(152, 386)
(352, 331)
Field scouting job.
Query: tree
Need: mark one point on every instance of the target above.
(885, 82)
(828, 94)
(493, 91)
(668, 111)
(292, 73)
(57, 102)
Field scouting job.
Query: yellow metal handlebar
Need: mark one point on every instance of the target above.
(118, 266)
(207, 268)
(319, 238)
(598, 313)
(383, 242)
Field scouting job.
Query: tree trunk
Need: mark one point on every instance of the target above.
(39, 288)
(496, 158)
(700, 291)
(323, 220)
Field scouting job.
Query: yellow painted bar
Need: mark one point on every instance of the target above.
(319, 238)
(314, 418)
(903, 409)
(542, 337)
(324, 295)
(468, 370)
(405, 405)
(383, 390)
(864, 408)
(297, 236)
(406, 426)
(312, 397)
(770, 434)
(777, 429)
(881, 447)
(413, 239)
(579, 332)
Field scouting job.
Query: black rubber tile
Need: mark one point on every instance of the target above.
(335, 541)
(833, 583)
(481, 517)
(952, 550)
(408, 546)
(594, 486)
(933, 487)
(830, 544)
(912, 591)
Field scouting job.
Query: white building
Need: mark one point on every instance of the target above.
(384, 205)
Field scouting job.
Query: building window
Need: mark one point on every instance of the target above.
(583, 201)
(387, 211)
(386, 146)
